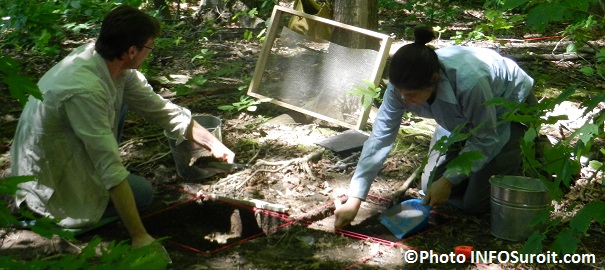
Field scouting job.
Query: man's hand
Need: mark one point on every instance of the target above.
(220, 151)
(155, 246)
(345, 213)
(142, 240)
(203, 137)
(438, 193)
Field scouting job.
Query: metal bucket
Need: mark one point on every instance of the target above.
(515, 201)
(187, 152)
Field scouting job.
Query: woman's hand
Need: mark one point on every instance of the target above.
(438, 193)
(345, 213)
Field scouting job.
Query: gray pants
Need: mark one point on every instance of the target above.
(473, 194)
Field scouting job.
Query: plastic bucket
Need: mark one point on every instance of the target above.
(515, 202)
(187, 152)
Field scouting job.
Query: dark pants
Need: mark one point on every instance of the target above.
(473, 194)
(141, 187)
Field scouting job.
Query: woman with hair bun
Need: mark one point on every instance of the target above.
(452, 86)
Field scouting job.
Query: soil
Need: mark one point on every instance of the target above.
(211, 223)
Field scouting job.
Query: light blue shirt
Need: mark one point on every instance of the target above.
(468, 79)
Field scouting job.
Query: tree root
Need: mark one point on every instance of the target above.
(234, 182)
(319, 214)
(302, 161)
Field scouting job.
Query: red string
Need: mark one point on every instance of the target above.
(289, 222)
(527, 39)
(363, 260)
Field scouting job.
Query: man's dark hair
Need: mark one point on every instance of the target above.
(124, 27)
(413, 65)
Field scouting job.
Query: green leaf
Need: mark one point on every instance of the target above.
(226, 107)
(540, 16)
(563, 96)
(553, 119)
(534, 243)
(76, 4)
(572, 47)
(181, 89)
(577, 4)
(595, 164)
(594, 210)
(197, 80)
(566, 242)
(89, 250)
(586, 133)
(47, 227)
(463, 163)
(8, 263)
(592, 103)
(542, 218)
(6, 217)
(510, 4)
(10, 185)
(18, 85)
(369, 84)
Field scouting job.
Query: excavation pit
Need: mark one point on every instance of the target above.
(204, 227)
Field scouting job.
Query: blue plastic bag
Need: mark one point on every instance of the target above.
(406, 218)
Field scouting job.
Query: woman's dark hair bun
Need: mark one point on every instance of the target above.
(423, 34)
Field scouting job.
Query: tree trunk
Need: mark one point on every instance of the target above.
(360, 13)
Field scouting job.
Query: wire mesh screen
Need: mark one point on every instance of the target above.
(315, 73)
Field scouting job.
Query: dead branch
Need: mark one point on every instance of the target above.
(142, 139)
(233, 181)
(550, 57)
(282, 164)
(310, 157)
(404, 187)
(344, 164)
(156, 157)
(319, 214)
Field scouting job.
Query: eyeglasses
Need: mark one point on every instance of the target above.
(150, 48)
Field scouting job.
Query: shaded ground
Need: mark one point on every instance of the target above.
(229, 234)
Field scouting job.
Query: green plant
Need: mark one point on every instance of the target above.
(43, 25)
(263, 10)
(114, 256)
(192, 83)
(430, 12)
(389, 4)
(203, 58)
(598, 68)
(368, 94)
(583, 20)
(496, 21)
(244, 103)
(558, 166)
(249, 13)
(462, 163)
(19, 86)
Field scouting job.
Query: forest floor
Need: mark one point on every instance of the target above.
(211, 224)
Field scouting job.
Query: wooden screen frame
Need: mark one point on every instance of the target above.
(377, 69)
